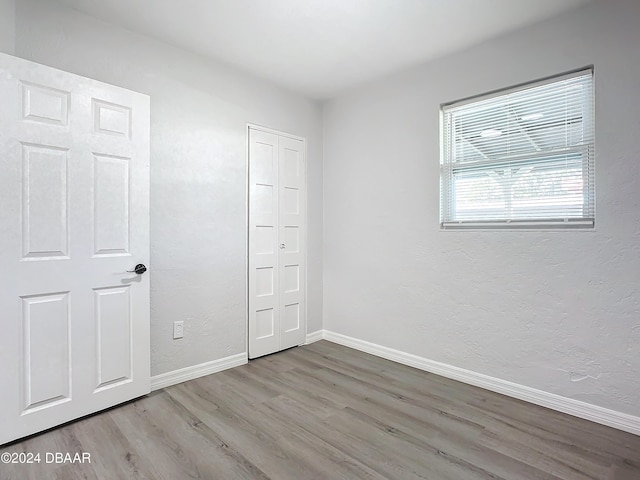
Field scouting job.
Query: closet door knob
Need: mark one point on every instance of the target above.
(282, 246)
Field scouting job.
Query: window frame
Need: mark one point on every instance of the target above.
(586, 151)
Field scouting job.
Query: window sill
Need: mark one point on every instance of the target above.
(561, 224)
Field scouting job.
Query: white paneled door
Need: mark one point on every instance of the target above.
(277, 254)
(74, 219)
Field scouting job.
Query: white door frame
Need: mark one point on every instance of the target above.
(253, 126)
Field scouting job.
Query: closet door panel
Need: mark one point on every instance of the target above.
(264, 279)
(292, 234)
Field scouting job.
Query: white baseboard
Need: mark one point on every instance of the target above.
(314, 337)
(587, 411)
(189, 373)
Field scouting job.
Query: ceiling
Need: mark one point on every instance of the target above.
(322, 47)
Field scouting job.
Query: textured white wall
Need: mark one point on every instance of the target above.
(199, 111)
(556, 311)
(7, 26)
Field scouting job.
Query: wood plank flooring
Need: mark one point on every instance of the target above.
(324, 411)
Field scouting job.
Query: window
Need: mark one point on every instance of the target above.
(520, 158)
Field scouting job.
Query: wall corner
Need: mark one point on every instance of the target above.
(8, 26)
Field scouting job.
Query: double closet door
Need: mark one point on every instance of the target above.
(277, 249)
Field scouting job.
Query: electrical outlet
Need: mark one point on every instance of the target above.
(178, 329)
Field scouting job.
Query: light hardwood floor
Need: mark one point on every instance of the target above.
(324, 411)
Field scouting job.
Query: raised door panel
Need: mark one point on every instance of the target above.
(45, 362)
(112, 315)
(45, 229)
(111, 198)
(45, 104)
(111, 119)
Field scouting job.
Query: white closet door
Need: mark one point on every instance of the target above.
(277, 193)
(264, 305)
(74, 169)
(292, 238)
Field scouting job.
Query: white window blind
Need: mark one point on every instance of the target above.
(521, 158)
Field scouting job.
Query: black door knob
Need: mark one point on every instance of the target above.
(139, 269)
